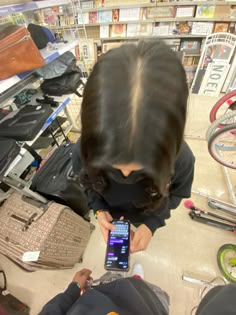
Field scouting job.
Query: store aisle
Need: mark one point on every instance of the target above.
(182, 247)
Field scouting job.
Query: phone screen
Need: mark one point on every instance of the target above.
(117, 255)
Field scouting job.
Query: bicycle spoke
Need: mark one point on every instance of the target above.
(222, 146)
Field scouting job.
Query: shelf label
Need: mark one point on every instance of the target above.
(18, 8)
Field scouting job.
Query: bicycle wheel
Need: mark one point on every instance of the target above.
(225, 104)
(222, 146)
(227, 119)
(226, 257)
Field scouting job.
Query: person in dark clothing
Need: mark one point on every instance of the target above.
(117, 296)
(135, 162)
(131, 296)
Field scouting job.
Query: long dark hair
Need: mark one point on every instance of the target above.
(134, 110)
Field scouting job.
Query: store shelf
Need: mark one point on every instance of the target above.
(174, 19)
(153, 36)
(48, 55)
(18, 8)
(64, 102)
(161, 4)
(189, 54)
(128, 6)
(190, 3)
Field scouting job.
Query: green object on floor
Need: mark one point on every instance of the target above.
(226, 259)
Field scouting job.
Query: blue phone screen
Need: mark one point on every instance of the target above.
(117, 256)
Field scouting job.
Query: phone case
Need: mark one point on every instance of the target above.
(117, 269)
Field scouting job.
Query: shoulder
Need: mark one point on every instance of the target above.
(185, 157)
(184, 164)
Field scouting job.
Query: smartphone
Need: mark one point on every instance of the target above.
(117, 254)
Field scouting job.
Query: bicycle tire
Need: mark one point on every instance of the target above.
(219, 103)
(212, 128)
(221, 261)
(212, 145)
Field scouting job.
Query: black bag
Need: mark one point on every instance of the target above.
(67, 83)
(9, 150)
(38, 35)
(55, 180)
(66, 63)
(25, 123)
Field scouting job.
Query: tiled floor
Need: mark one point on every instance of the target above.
(182, 247)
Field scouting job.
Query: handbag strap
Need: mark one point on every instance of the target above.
(5, 280)
(37, 157)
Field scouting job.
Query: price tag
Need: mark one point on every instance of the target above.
(31, 256)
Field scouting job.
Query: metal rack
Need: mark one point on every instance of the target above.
(69, 105)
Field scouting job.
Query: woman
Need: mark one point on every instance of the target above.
(135, 162)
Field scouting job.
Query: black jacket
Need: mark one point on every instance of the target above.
(132, 296)
(123, 198)
(125, 296)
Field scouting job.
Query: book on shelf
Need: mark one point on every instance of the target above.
(222, 11)
(111, 45)
(161, 12)
(164, 28)
(145, 29)
(93, 17)
(105, 16)
(191, 61)
(118, 30)
(232, 28)
(190, 45)
(104, 31)
(185, 11)
(221, 27)
(183, 27)
(83, 18)
(48, 16)
(87, 50)
(109, 3)
(233, 12)
(190, 74)
(202, 28)
(160, 29)
(205, 11)
(87, 5)
(132, 30)
(173, 43)
(143, 13)
(138, 29)
(115, 15)
(129, 14)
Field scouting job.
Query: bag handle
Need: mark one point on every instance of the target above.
(4, 280)
(35, 216)
(33, 153)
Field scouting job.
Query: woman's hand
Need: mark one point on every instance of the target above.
(104, 220)
(81, 277)
(140, 239)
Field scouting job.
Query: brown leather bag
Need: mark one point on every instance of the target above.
(18, 52)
